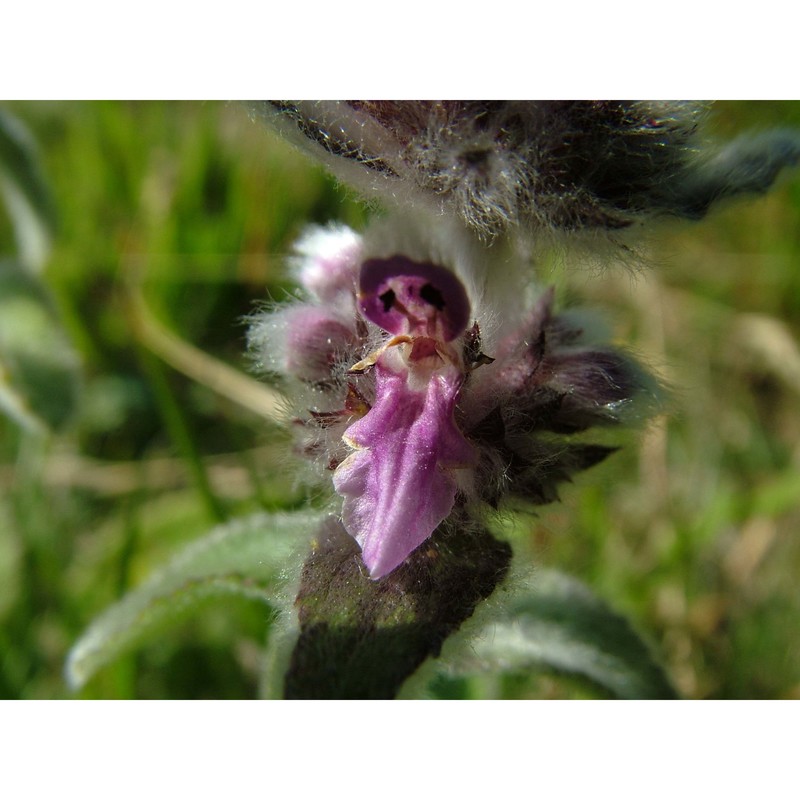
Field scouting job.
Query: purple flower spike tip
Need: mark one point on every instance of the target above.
(406, 297)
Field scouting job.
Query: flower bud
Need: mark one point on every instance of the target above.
(303, 341)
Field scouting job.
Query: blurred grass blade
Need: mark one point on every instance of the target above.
(39, 370)
(175, 420)
(199, 366)
(555, 622)
(25, 192)
(249, 557)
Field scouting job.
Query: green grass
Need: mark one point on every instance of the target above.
(691, 530)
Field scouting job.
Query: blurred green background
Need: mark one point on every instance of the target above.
(172, 220)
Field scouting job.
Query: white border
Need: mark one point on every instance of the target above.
(413, 50)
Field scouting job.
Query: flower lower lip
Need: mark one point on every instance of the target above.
(398, 484)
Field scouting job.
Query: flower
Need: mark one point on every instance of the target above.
(424, 383)
(398, 484)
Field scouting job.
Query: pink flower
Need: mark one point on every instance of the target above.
(384, 363)
(398, 485)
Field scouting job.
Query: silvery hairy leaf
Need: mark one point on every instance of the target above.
(249, 557)
(553, 622)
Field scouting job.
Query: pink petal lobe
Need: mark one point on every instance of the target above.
(398, 485)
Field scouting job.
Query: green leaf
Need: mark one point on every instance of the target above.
(39, 370)
(25, 192)
(554, 622)
(250, 557)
